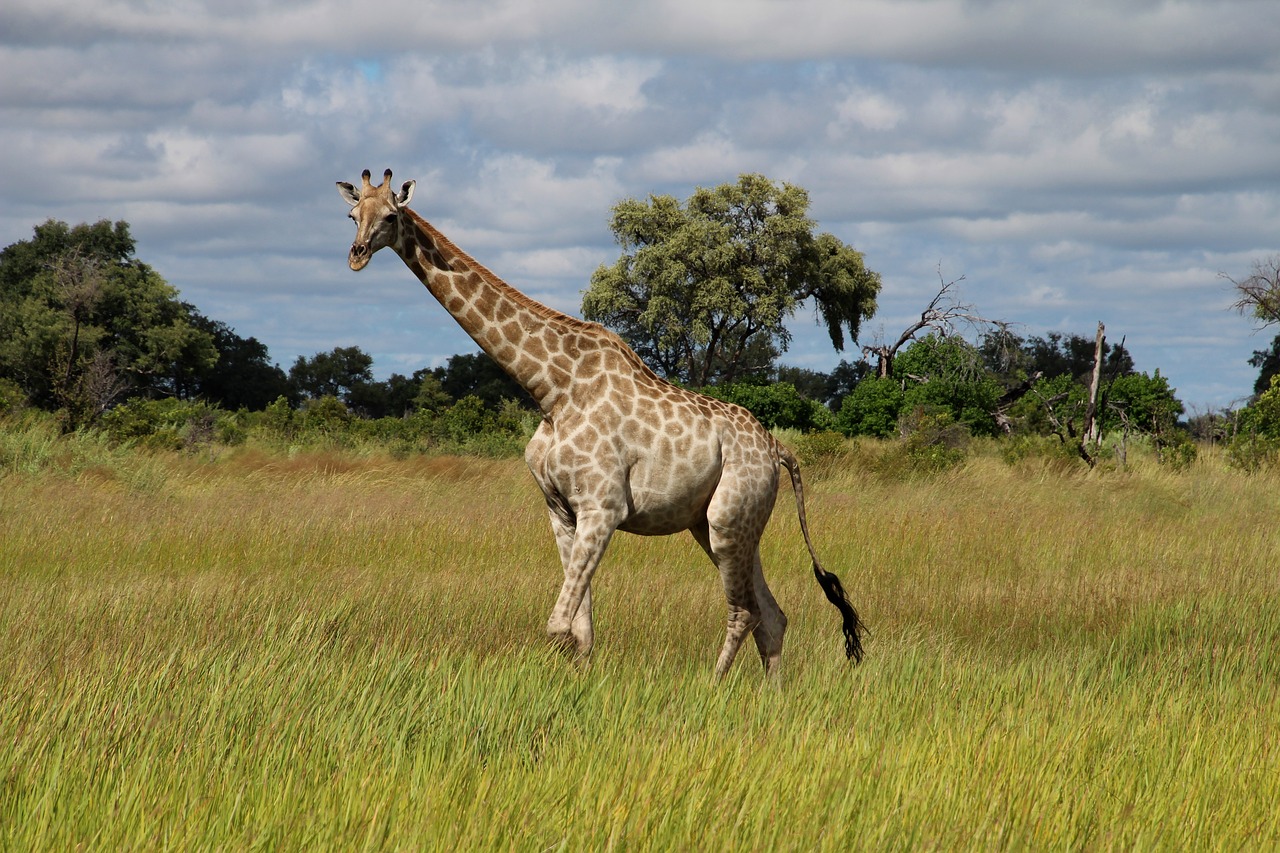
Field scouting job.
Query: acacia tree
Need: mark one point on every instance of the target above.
(702, 290)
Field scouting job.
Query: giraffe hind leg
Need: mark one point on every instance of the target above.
(730, 557)
(769, 632)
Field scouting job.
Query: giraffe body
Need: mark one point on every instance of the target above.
(618, 448)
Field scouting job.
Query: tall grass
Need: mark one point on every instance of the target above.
(331, 652)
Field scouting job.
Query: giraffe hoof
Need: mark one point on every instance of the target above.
(563, 640)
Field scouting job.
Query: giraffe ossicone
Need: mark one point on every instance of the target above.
(619, 448)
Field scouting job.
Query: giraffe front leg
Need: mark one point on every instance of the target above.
(570, 623)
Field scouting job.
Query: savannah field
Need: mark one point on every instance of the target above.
(345, 651)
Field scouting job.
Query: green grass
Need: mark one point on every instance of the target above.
(331, 652)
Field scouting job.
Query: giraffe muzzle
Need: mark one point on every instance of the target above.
(359, 256)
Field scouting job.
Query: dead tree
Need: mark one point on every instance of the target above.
(1090, 430)
(1259, 294)
(944, 313)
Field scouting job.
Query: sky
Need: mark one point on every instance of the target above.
(1073, 162)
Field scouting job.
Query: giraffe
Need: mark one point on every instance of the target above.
(618, 447)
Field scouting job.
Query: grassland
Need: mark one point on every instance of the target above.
(341, 652)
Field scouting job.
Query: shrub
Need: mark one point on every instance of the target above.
(1176, 449)
(932, 440)
(872, 408)
(12, 399)
(1256, 444)
(168, 424)
(820, 448)
(778, 405)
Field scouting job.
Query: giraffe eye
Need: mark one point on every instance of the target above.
(390, 217)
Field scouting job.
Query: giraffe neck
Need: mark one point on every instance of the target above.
(519, 333)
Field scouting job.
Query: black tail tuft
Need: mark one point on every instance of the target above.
(850, 624)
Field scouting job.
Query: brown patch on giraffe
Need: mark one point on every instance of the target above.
(558, 376)
(534, 349)
(512, 331)
(588, 436)
(590, 365)
(648, 414)
(623, 385)
(485, 299)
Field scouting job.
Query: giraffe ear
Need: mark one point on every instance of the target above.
(406, 193)
(348, 193)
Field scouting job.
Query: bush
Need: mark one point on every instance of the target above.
(872, 408)
(1051, 449)
(932, 440)
(169, 424)
(778, 405)
(1176, 449)
(1256, 444)
(12, 399)
(820, 448)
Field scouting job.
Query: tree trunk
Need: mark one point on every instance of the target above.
(1091, 433)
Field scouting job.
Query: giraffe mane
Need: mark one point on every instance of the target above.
(544, 311)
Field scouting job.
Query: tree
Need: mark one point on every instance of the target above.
(872, 408)
(1259, 293)
(84, 323)
(777, 405)
(947, 374)
(943, 315)
(1268, 363)
(243, 376)
(702, 290)
(1057, 354)
(337, 373)
(1145, 403)
(478, 375)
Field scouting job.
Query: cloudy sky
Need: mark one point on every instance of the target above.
(1075, 162)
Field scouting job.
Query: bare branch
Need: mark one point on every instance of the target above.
(944, 314)
(1259, 294)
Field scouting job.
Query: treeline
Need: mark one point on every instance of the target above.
(96, 338)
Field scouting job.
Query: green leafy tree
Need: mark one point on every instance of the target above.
(948, 374)
(478, 375)
(1268, 363)
(84, 323)
(1146, 403)
(243, 375)
(337, 373)
(430, 395)
(777, 405)
(1256, 443)
(702, 290)
(871, 408)
(1014, 358)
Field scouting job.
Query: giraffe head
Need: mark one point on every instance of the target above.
(376, 212)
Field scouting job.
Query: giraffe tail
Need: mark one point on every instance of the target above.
(850, 623)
